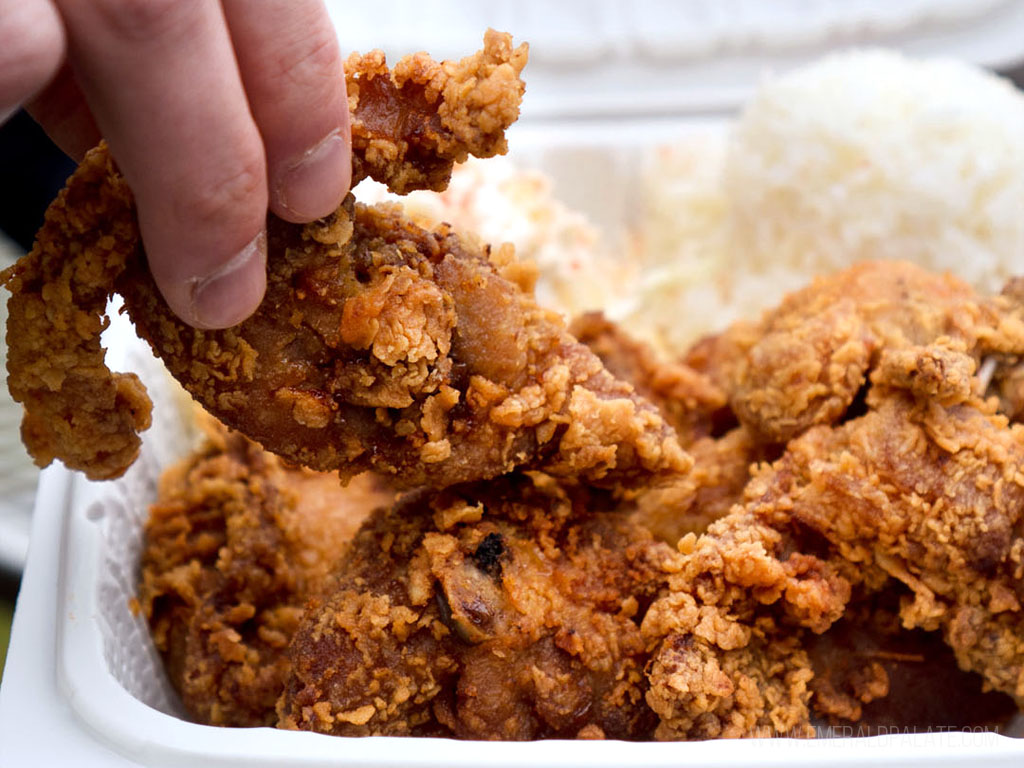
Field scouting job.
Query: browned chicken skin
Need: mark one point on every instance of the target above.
(805, 361)
(379, 344)
(501, 611)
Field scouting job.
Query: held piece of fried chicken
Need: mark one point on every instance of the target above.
(379, 344)
(500, 611)
(409, 127)
(235, 545)
(415, 353)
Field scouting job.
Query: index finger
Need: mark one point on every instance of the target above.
(164, 87)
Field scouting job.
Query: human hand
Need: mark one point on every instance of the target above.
(214, 111)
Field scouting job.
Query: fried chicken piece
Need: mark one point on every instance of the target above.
(409, 127)
(758, 691)
(922, 485)
(934, 497)
(501, 611)
(687, 399)
(729, 659)
(235, 545)
(806, 361)
(75, 408)
(378, 345)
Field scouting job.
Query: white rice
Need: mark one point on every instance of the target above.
(861, 155)
(868, 154)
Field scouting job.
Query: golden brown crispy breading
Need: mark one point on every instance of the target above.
(235, 545)
(379, 344)
(805, 362)
(75, 409)
(78, 411)
(730, 660)
(688, 400)
(757, 691)
(508, 610)
(417, 354)
(412, 124)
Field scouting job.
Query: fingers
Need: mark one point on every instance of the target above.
(31, 50)
(163, 85)
(162, 82)
(292, 70)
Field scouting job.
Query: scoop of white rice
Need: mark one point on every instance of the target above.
(863, 154)
(868, 154)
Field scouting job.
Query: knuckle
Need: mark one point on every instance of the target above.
(146, 19)
(237, 195)
(312, 60)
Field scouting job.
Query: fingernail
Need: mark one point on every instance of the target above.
(315, 185)
(231, 293)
